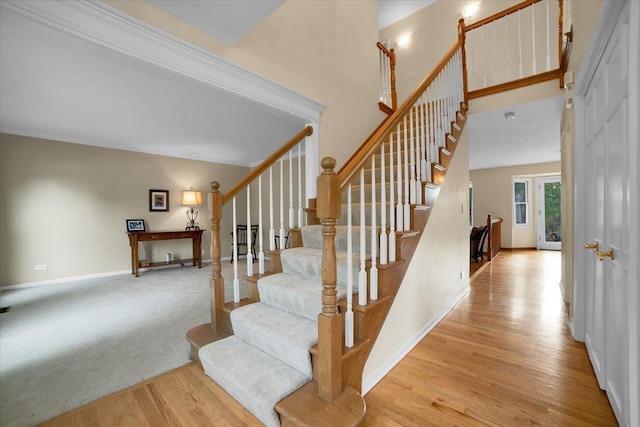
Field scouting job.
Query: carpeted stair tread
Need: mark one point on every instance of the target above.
(295, 294)
(254, 378)
(279, 333)
(307, 263)
(312, 238)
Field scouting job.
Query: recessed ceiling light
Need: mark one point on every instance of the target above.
(403, 41)
(509, 115)
(470, 10)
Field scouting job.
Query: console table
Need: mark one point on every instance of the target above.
(141, 236)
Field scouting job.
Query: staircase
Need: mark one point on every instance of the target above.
(293, 353)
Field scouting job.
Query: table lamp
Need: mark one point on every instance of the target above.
(192, 198)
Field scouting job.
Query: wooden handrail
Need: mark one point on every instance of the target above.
(241, 185)
(384, 49)
(502, 14)
(349, 170)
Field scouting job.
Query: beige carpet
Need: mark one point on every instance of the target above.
(65, 345)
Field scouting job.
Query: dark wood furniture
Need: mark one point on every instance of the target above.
(139, 236)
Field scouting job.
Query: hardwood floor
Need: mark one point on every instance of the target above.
(504, 356)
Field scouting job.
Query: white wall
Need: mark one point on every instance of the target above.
(325, 50)
(437, 275)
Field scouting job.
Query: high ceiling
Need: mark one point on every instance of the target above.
(57, 86)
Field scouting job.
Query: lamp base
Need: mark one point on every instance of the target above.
(192, 227)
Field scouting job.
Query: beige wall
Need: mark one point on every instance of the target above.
(493, 195)
(436, 276)
(433, 32)
(325, 50)
(65, 205)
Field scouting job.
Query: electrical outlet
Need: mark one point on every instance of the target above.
(39, 267)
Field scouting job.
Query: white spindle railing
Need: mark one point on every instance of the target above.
(254, 207)
(404, 166)
(260, 228)
(386, 64)
(236, 281)
(530, 38)
(249, 234)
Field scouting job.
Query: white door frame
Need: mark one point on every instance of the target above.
(540, 224)
(607, 19)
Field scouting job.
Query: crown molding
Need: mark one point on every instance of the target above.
(102, 24)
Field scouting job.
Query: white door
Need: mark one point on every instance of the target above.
(549, 203)
(607, 220)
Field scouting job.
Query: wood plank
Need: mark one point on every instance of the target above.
(503, 356)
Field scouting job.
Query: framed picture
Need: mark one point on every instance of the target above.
(158, 200)
(135, 225)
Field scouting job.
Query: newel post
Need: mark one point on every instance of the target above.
(461, 40)
(217, 282)
(329, 321)
(394, 93)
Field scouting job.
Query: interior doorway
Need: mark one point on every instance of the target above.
(549, 218)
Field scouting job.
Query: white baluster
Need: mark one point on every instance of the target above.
(300, 211)
(432, 129)
(236, 281)
(383, 208)
(249, 233)
(260, 229)
(418, 145)
(281, 239)
(425, 141)
(272, 232)
(495, 55)
(548, 51)
(520, 46)
(484, 59)
(405, 213)
(412, 156)
(399, 208)
(506, 33)
(373, 271)
(392, 216)
(533, 38)
(348, 316)
(292, 212)
(473, 62)
(362, 277)
(381, 67)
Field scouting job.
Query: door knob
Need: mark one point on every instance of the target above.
(601, 255)
(591, 246)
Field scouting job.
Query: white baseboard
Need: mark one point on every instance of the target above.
(371, 380)
(87, 276)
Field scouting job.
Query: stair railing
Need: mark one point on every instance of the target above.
(516, 47)
(410, 142)
(291, 153)
(388, 96)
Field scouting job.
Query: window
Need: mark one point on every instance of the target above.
(521, 211)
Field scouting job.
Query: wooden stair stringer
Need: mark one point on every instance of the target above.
(390, 276)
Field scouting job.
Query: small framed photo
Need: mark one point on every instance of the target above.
(159, 200)
(135, 225)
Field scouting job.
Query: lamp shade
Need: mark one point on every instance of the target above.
(191, 198)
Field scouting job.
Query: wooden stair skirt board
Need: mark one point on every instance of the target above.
(287, 297)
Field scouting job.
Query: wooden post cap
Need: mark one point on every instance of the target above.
(328, 165)
(215, 186)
